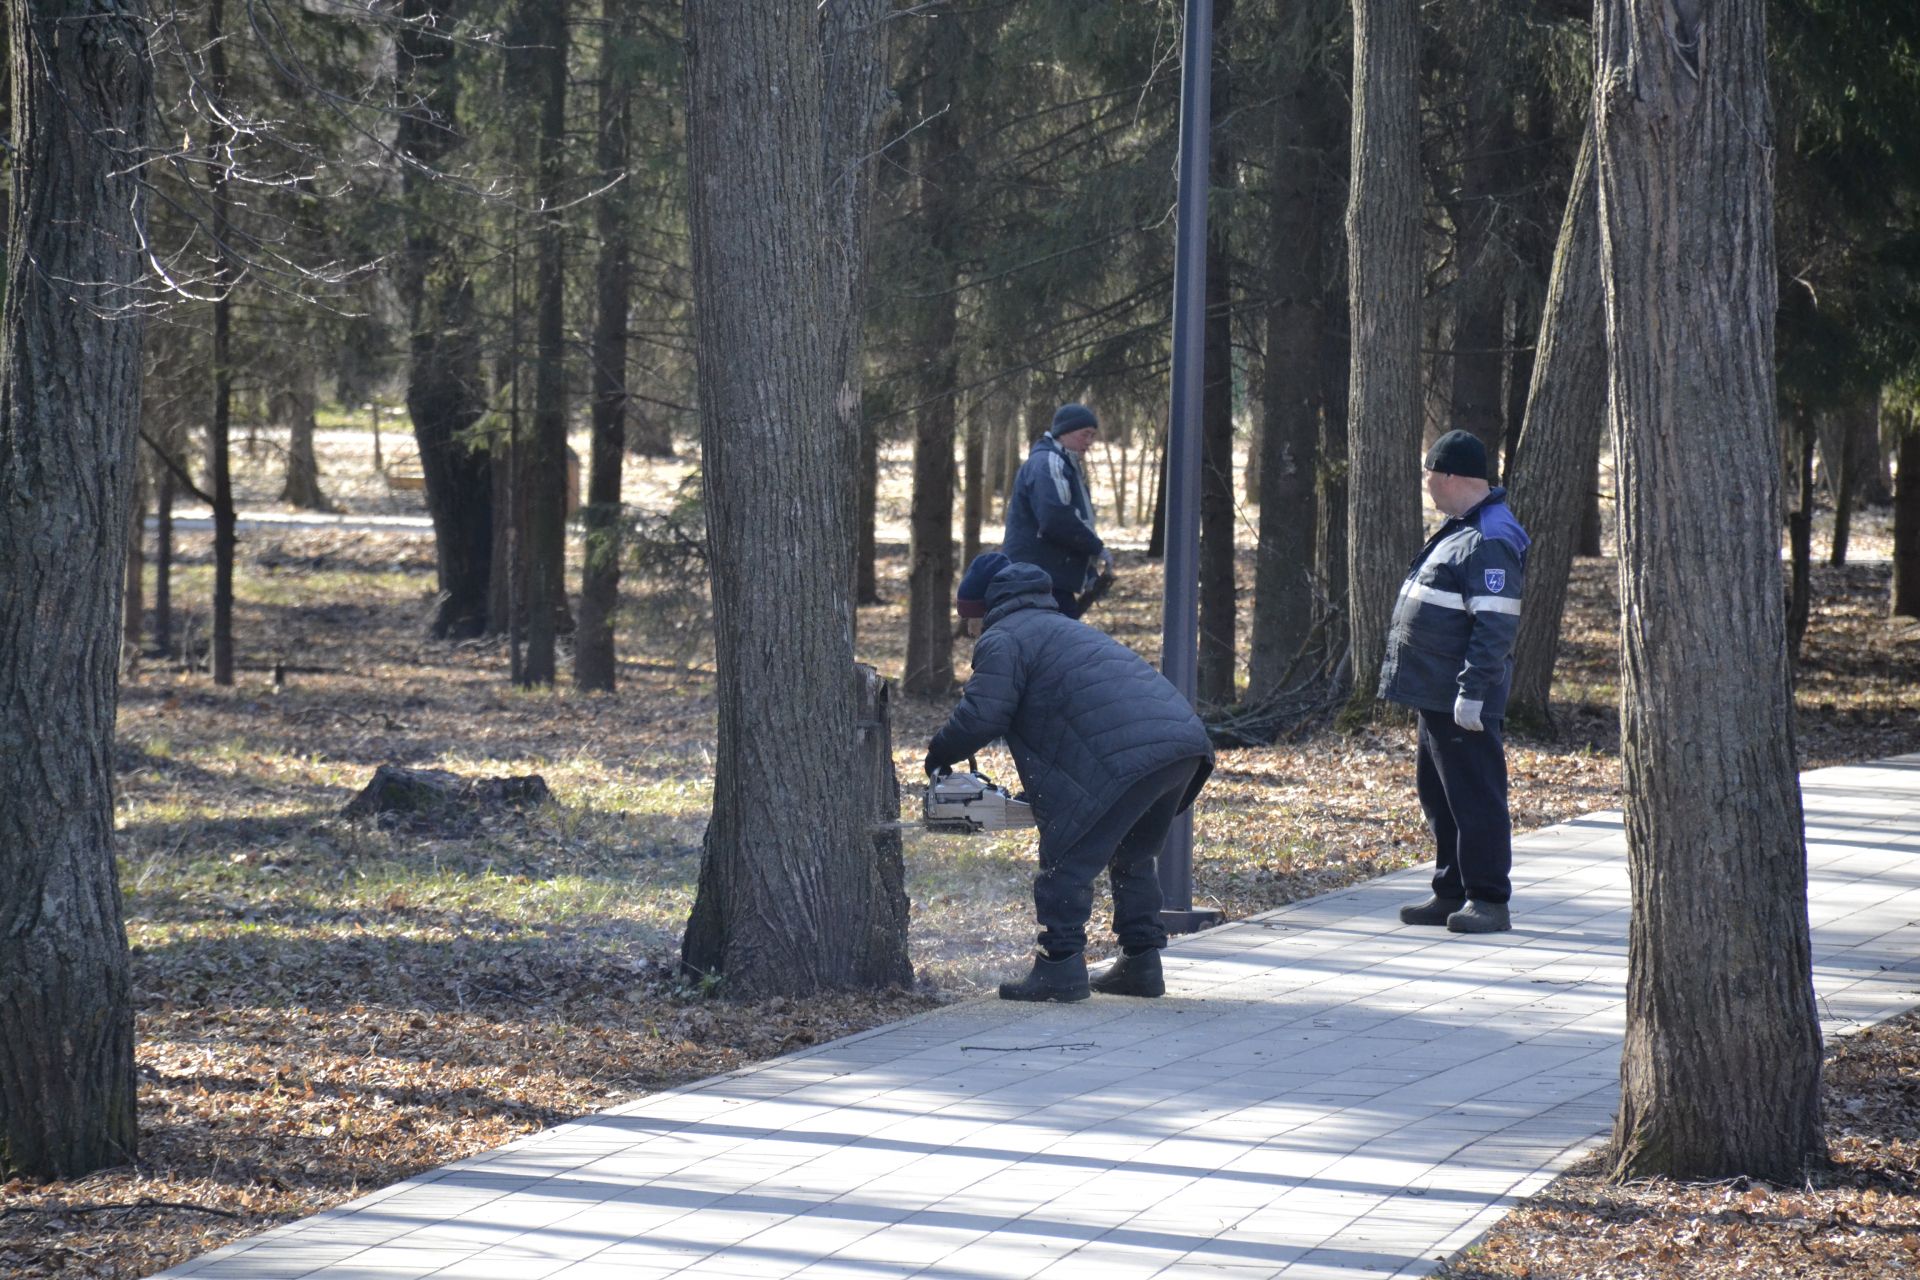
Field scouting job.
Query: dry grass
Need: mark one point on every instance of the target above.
(326, 1006)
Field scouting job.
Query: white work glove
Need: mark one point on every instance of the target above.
(1466, 714)
(1106, 563)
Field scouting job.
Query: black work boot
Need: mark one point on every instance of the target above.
(1132, 975)
(1480, 917)
(1064, 980)
(1434, 911)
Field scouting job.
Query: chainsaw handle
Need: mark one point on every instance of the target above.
(941, 771)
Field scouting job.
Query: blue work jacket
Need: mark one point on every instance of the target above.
(1458, 613)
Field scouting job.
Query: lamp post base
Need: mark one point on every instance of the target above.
(1192, 921)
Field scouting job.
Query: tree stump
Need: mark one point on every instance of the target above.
(434, 797)
(878, 786)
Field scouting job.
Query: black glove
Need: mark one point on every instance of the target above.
(933, 767)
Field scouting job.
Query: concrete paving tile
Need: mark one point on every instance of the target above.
(1325, 1093)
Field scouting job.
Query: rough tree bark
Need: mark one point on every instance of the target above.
(794, 896)
(943, 186)
(1560, 436)
(973, 503)
(1218, 590)
(1800, 449)
(220, 416)
(69, 416)
(445, 391)
(1720, 1071)
(866, 577)
(1383, 285)
(1481, 286)
(543, 462)
(593, 647)
(134, 606)
(1283, 592)
(163, 566)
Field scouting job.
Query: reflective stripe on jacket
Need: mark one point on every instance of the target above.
(1050, 517)
(1458, 612)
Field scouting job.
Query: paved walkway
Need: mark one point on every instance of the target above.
(1324, 1094)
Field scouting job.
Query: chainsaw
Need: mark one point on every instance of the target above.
(965, 803)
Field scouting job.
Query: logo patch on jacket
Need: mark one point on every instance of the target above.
(1496, 580)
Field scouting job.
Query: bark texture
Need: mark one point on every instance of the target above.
(1289, 445)
(543, 461)
(943, 186)
(1383, 286)
(445, 391)
(1482, 243)
(69, 415)
(1720, 1071)
(593, 647)
(792, 897)
(1560, 436)
(220, 412)
(1218, 591)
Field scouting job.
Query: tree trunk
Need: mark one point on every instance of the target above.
(445, 390)
(866, 570)
(593, 645)
(1219, 596)
(1283, 593)
(1383, 285)
(1157, 533)
(1844, 475)
(1800, 532)
(790, 896)
(943, 184)
(974, 504)
(1553, 464)
(999, 438)
(1256, 427)
(134, 609)
(219, 421)
(1904, 600)
(1720, 1073)
(163, 566)
(1591, 527)
(1330, 477)
(544, 462)
(1480, 289)
(69, 415)
(1851, 452)
(299, 405)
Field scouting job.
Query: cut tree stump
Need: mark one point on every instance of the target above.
(434, 795)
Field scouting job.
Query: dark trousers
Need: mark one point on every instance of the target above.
(1068, 602)
(1125, 840)
(1462, 778)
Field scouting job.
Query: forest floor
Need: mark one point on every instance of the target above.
(326, 1005)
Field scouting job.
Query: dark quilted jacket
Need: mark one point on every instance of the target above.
(1084, 716)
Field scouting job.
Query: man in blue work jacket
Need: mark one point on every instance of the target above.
(1049, 514)
(1450, 658)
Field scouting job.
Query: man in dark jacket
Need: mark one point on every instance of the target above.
(1450, 657)
(1049, 514)
(1108, 753)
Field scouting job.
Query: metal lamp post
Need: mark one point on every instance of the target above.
(1180, 618)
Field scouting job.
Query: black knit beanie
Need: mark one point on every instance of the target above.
(1071, 417)
(1458, 453)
